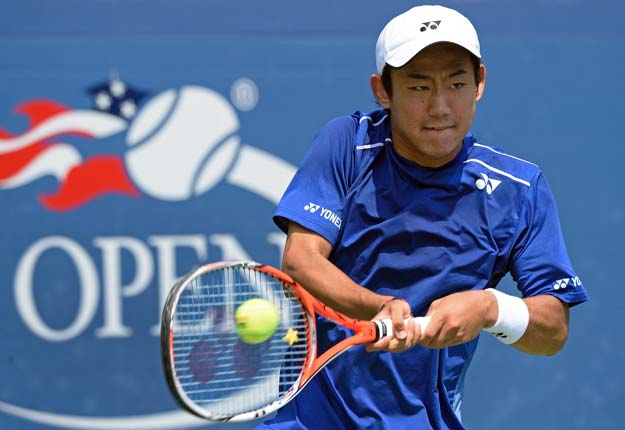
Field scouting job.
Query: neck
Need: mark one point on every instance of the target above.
(421, 158)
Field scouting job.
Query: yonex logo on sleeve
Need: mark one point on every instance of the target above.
(561, 284)
(324, 213)
(487, 183)
(311, 207)
(431, 25)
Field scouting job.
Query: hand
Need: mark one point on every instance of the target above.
(458, 318)
(405, 335)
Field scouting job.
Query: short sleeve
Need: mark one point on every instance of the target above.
(539, 260)
(316, 194)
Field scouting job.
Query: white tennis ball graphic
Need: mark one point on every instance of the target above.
(182, 143)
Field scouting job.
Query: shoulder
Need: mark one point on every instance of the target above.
(340, 124)
(373, 128)
(360, 126)
(360, 134)
(503, 165)
(337, 135)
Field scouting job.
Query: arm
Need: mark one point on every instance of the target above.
(460, 317)
(548, 328)
(306, 261)
(456, 319)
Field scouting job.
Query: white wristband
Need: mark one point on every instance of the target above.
(512, 319)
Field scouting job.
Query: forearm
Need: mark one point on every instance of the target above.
(306, 260)
(539, 323)
(548, 326)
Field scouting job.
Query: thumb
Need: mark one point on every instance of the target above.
(398, 315)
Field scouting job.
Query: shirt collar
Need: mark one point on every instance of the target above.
(447, 174)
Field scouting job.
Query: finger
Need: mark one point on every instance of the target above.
(396, 345)
(399, 330)
(397, 317)
(380, 345)
(412, 331)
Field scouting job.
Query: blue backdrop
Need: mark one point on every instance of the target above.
(108, 194)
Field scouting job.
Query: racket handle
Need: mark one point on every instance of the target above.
(384, 328)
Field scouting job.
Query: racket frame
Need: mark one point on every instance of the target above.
(365, 332)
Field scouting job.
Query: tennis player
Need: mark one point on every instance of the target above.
(401, 212)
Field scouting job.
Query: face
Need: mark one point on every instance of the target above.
(432, 103)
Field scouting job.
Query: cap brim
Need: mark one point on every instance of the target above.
(409, 50)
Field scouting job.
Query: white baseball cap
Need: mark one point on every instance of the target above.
(407, 34)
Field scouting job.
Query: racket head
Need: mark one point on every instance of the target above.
(210, 371)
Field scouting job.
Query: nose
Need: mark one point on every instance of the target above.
(439, 104)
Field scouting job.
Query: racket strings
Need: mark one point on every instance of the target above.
(218, 371)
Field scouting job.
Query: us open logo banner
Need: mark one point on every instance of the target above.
(105, 206)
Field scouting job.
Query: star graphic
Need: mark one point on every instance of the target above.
(291, 336)
(103, 101)
(117, 88)
(127, 108)
(117, 98)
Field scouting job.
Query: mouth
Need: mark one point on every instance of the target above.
(439, 128)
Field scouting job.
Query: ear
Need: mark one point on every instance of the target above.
(482, 84)
(379, 92)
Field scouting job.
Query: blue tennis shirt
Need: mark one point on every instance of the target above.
(418, 233)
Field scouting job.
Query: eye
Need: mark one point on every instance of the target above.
(458, 85)
(419, 88)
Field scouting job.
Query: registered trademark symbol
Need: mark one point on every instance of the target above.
(244, 94)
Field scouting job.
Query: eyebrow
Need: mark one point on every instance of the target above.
(415, 75)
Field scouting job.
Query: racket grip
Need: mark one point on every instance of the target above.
(384, 328)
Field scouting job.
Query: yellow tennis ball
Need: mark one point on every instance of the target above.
(256, 320)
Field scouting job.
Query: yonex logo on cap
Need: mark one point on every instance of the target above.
(487, 183)
(432, 25)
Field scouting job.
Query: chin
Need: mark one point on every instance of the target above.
(444, 154)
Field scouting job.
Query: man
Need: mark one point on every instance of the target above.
(426, 221)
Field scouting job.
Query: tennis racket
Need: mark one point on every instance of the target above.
(214, 374)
